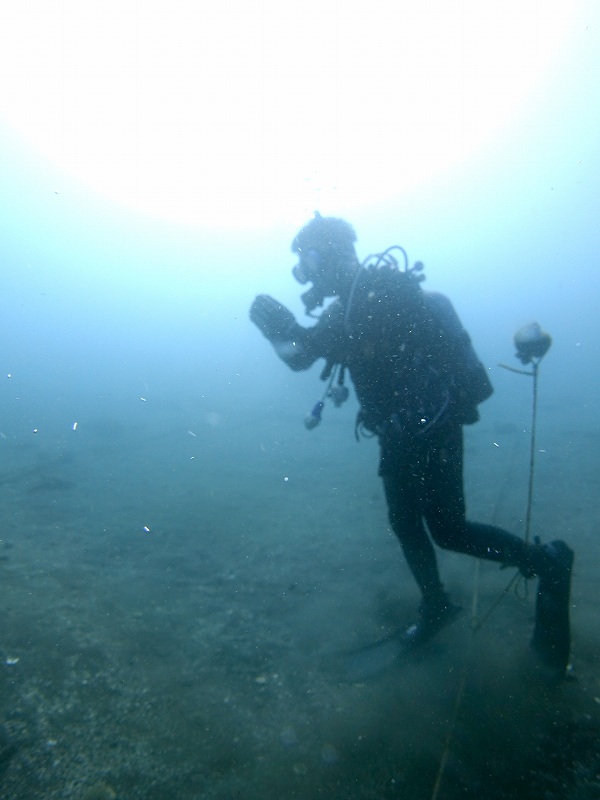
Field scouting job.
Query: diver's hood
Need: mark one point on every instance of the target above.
(322, 242)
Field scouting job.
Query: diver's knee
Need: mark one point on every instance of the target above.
(448, 538)
(402, 527)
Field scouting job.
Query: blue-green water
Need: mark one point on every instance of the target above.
(184, 567)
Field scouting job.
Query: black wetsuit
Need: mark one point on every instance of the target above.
(418, 381)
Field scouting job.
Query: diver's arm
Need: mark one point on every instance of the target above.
(293, 344)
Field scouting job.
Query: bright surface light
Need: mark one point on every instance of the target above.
(245, 113)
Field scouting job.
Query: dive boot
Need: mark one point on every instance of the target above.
(552, 633)
(434, 614)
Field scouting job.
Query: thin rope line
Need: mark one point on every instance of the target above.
(531, 453)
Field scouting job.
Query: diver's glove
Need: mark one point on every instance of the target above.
(273, 319)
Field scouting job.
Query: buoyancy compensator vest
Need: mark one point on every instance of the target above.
(394, 352)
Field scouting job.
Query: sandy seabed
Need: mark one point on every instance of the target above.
(178, 600)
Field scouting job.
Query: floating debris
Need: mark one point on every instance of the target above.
(329, 754)
(101, 791)
(288, 736)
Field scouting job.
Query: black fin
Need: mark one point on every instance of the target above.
(552, 633)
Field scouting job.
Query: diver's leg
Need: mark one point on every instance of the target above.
(553, 562)
(407, 524)
(444, 508)
(403, 467)
(435, 610)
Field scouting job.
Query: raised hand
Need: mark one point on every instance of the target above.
(272, 318)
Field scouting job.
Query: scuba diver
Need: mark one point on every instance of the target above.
(418, 381)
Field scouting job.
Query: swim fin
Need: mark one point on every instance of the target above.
(376, 657)
(552, 632)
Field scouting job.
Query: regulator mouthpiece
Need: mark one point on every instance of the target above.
(532, 343)
(312, 298)
(314, 418)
